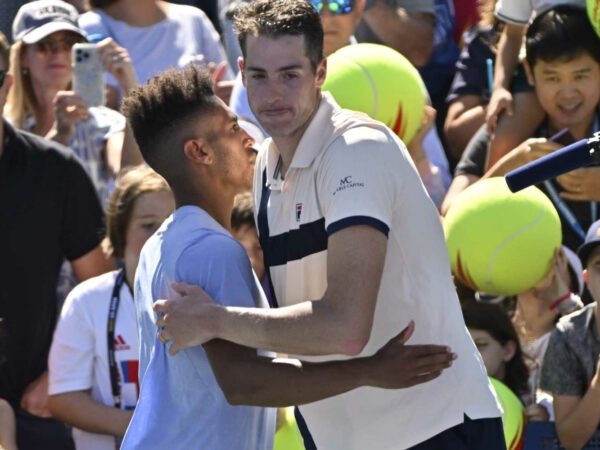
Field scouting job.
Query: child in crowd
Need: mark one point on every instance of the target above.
(93, 386)
(497, 341)
(571, 369)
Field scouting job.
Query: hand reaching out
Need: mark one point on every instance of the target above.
(581, 184)
(223, 87)
(397, 365)
(117, 62)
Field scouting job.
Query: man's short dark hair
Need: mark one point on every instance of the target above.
(274, 18)
(561, 33)
(160, 111)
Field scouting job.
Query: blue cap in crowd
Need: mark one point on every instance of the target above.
(592, 240)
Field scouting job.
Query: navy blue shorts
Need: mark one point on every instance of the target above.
(469, 435)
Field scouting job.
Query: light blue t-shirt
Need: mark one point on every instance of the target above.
(181, 405)
(185, 36)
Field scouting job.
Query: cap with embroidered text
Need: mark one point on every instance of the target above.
(38, 19)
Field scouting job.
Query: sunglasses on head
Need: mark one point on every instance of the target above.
(335, 6)
(2, 77)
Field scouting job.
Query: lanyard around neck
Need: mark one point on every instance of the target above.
(110, 335)
(566, 212)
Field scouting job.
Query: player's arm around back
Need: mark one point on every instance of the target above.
(339, 323)
(248, 379)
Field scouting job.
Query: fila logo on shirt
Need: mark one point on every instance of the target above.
(346, 183)
(120, 343)
(298, 211)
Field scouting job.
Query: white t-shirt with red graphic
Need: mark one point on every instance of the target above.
(79, 354)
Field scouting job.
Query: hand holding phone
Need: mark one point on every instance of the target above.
(563, 137)
(88, 74)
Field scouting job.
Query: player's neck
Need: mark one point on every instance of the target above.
(287, 145)
(218, 207)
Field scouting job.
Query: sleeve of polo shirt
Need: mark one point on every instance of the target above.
(357, 179)
(561, 371)
(516, 12)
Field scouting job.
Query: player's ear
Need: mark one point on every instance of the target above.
(198, 151)
(529, 72)
(240, 63)
(321, 73)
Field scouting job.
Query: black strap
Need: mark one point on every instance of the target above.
(110, 335)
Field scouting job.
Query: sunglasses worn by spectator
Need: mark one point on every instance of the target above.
(47, 46)
(335, 6)
(2, 77)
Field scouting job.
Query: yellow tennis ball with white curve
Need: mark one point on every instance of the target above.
(379, 82)
(499, 242)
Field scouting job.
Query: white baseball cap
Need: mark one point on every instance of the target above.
(36, 20)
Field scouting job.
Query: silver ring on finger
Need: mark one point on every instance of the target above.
(161, 338)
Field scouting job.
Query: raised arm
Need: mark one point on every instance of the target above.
(578, 417)
(506, 62)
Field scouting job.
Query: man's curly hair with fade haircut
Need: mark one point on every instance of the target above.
(275, 18)
(160, 114)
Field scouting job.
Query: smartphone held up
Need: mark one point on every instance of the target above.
(88, 74)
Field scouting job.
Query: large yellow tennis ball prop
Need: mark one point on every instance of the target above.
(380, 82)
(287, 436)
(501, 243)
(593, 12)
(513, 415)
